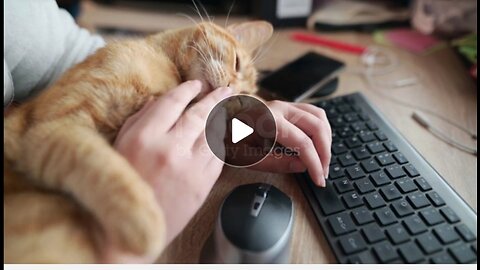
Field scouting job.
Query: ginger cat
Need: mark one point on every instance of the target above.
(65, 187)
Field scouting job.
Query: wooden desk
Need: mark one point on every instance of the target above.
(443, 86)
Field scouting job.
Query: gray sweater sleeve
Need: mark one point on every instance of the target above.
(41, 42)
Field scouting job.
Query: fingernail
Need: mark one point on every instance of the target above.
(326, 172)
(296, 166)
(323, 183)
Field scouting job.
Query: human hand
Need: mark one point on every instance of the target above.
(303, 128)
(168, 148)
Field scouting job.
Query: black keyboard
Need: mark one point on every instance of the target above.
(383, 202)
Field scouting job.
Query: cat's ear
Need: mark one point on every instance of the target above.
(251, 34)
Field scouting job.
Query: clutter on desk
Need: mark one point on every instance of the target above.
(409, 39)
(467, 47)
(445, 18)
(354, 15)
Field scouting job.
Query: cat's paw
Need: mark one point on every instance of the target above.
(138, 229)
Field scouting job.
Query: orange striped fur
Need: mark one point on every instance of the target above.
(66, 188)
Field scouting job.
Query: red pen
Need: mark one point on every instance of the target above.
(318, 40)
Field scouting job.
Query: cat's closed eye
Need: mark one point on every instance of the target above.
(237, 63)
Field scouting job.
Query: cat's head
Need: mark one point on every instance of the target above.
(223, 57)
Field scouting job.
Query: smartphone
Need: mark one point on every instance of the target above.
(301, 78)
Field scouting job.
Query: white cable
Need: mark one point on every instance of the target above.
(379, 62)
(423, 121)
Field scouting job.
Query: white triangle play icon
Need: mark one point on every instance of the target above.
(240, 130)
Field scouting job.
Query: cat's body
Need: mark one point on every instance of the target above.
(66, 188)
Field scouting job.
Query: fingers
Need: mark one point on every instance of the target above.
(316, 111)
(294, 138)
(132, 120)
(283, 164)
(192, 124)
(167, 109)
(318, 129)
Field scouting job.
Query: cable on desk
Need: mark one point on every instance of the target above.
(379, 62)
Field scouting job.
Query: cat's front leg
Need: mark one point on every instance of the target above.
(76, 159)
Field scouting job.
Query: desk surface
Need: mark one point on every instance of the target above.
(443, 86)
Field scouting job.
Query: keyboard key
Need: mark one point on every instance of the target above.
(352, 200)
(366, 136)
(431, 216)
(435, 199)
(465, 233)
(385, 252)
(327, 198)
(360, 153)
(355, 172)
(418, 200)
(362, 215)
(346, 160)
(380, 178)
(370, 165)
(343, 185)
(463, 254)
(429, 243)
(373, 233)
(410, 253)
(339, 148)
(381, 136)
(442, 258)
(414, 225)
(397, 234)
(336, 171)
(350, 117)
(402, 208)
(390, 193)
(358, 126)
(390, 146)
(344, 109)
(375, 147)
(364, 185)
(411, 170)
(400, 158)
(352, 243)
(405, 185)
(341, 224)
(422, 184)
(385, 216)
(450, 215)
(335, 137)
(364, 116)
(385, 159)
(371, 125)
(374, 200)
(344, 132)
(446, 234)
(353, 142)
(336, 122)
(362, 258)
(394, 171)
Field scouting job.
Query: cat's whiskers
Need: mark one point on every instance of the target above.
(263, 50)
(228, 14)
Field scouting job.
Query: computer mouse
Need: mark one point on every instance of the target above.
(254, 225)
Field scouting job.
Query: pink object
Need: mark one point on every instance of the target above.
(411, 40)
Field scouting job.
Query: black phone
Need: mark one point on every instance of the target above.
(301, 78)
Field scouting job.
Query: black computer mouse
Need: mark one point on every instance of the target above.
(254, 225)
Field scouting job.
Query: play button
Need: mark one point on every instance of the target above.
(241, 130)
